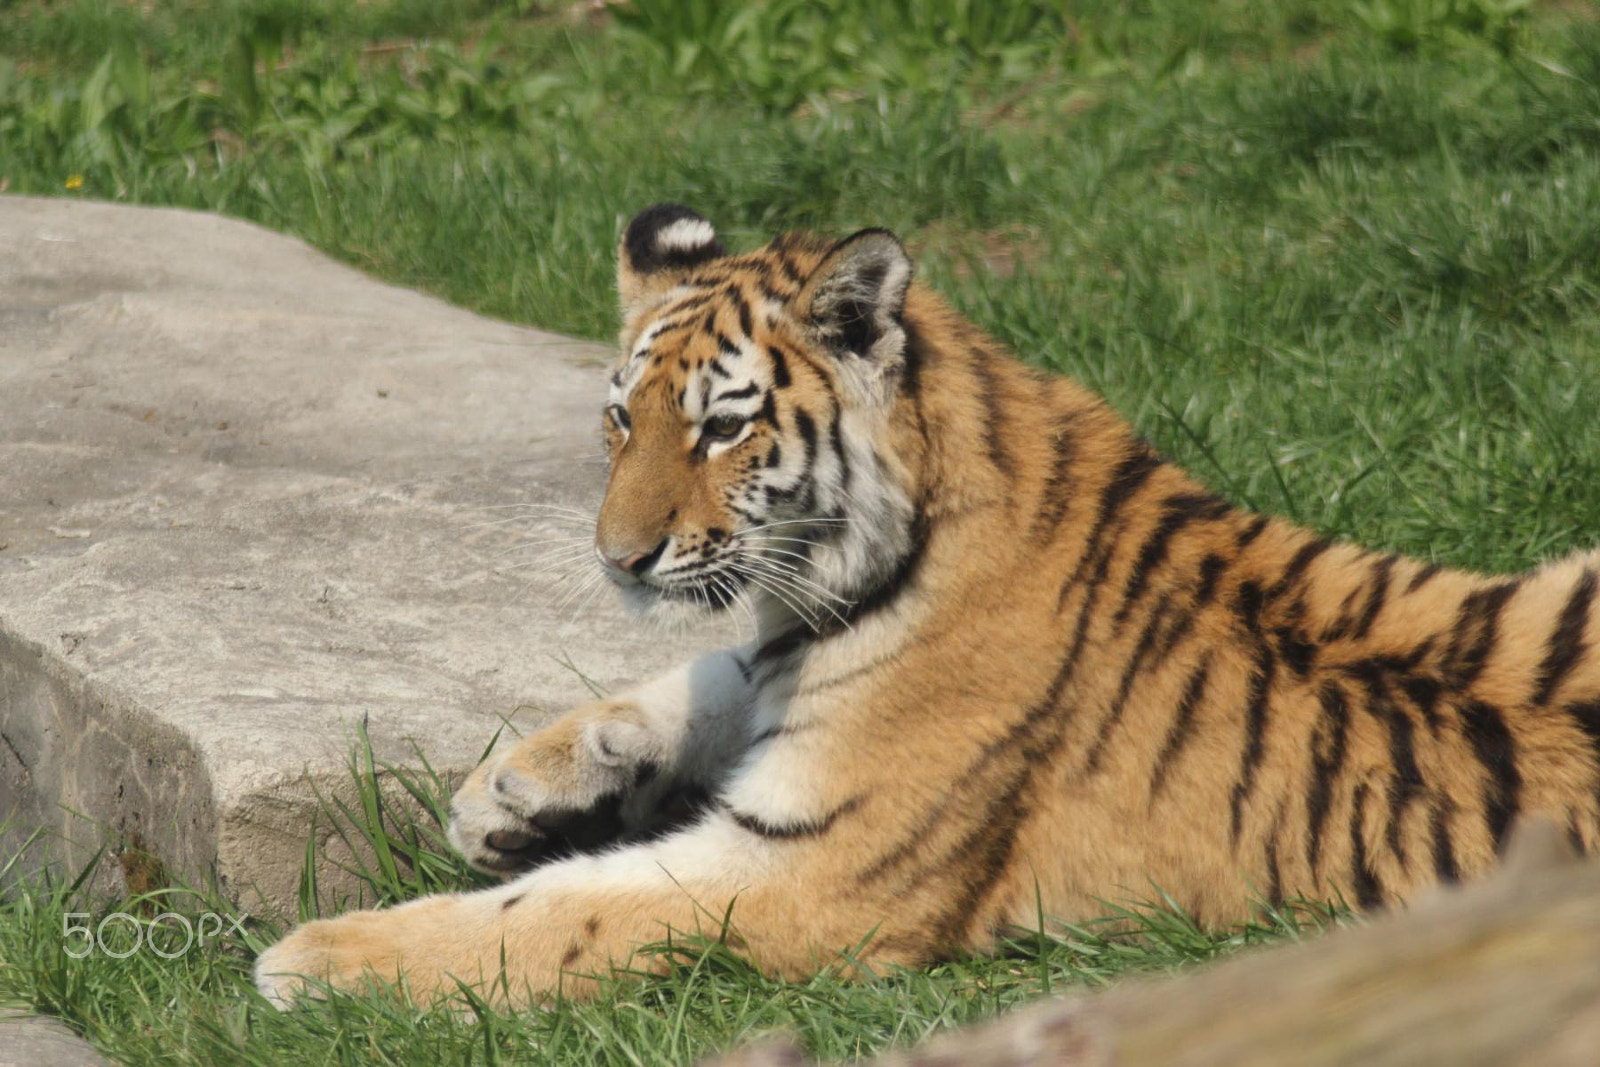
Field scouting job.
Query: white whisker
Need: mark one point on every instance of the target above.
(552, 561)
(802, 586)
(787, 540)
(794, 522)
(524, 545)
(762, 550)
(793, 573)
(765, 585)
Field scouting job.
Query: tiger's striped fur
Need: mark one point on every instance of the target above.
(1007, 657)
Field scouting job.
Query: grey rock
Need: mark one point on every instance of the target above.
(250, 497)
(38, 1041)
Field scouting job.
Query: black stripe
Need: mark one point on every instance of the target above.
(1296, 611)
(903, 575)
(780, 368)
(1344, 622)
(1566, 644)
(1141, 651)
(691, 302)
(790, 271)
(1380, 592)
(994, 835)
(745, 324)
(1176, 632)
(1405, 779)
(1247, 605)
(1328, 746)
(769, 409)
(1182, 726)
(739, 394)
(1057, 492)
(1296, 651)
(1369, 894)
(1476, 628)
(1424, 693)
(1444, 851)
(1024, 733)
(993, 417)
(1422, 577)
(1130, 474)
(1274, 876)
(1492, 743)
(780, 730)
(973, 776)
(988, 848)
(1086, 609)
(1211, 569)
(807, 428)
(854, 673)
(773, 293)
(1302, 559)
(911, 365)
(794, 830)
(1177, 512)
(785, 644)
(1587, 718)
(1255, 733)
(1251, 532)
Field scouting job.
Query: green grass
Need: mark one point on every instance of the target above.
(1340, 259)
(200, 1007)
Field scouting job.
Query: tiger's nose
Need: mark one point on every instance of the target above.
(637, 564)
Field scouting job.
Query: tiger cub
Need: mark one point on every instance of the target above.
(1006, 658)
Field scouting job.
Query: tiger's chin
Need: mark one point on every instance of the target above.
(669, 610)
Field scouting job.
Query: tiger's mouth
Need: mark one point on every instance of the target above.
(711, 588)
(769, 566)
(716, 591)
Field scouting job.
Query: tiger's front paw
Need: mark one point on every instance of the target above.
(555, 792)
(424, 944)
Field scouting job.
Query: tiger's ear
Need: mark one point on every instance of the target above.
(660, 247)
(854, 298)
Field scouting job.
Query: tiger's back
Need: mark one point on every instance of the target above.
(1233, 707)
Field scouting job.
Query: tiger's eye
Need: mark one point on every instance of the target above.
(722, 427)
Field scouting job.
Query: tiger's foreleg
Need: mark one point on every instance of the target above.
(557, 929)
(605, 771)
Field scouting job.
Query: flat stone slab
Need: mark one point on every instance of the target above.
(39, 1041)
(250, 497)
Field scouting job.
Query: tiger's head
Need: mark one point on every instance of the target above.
(749, 420)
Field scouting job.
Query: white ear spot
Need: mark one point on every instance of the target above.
(685, 235)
